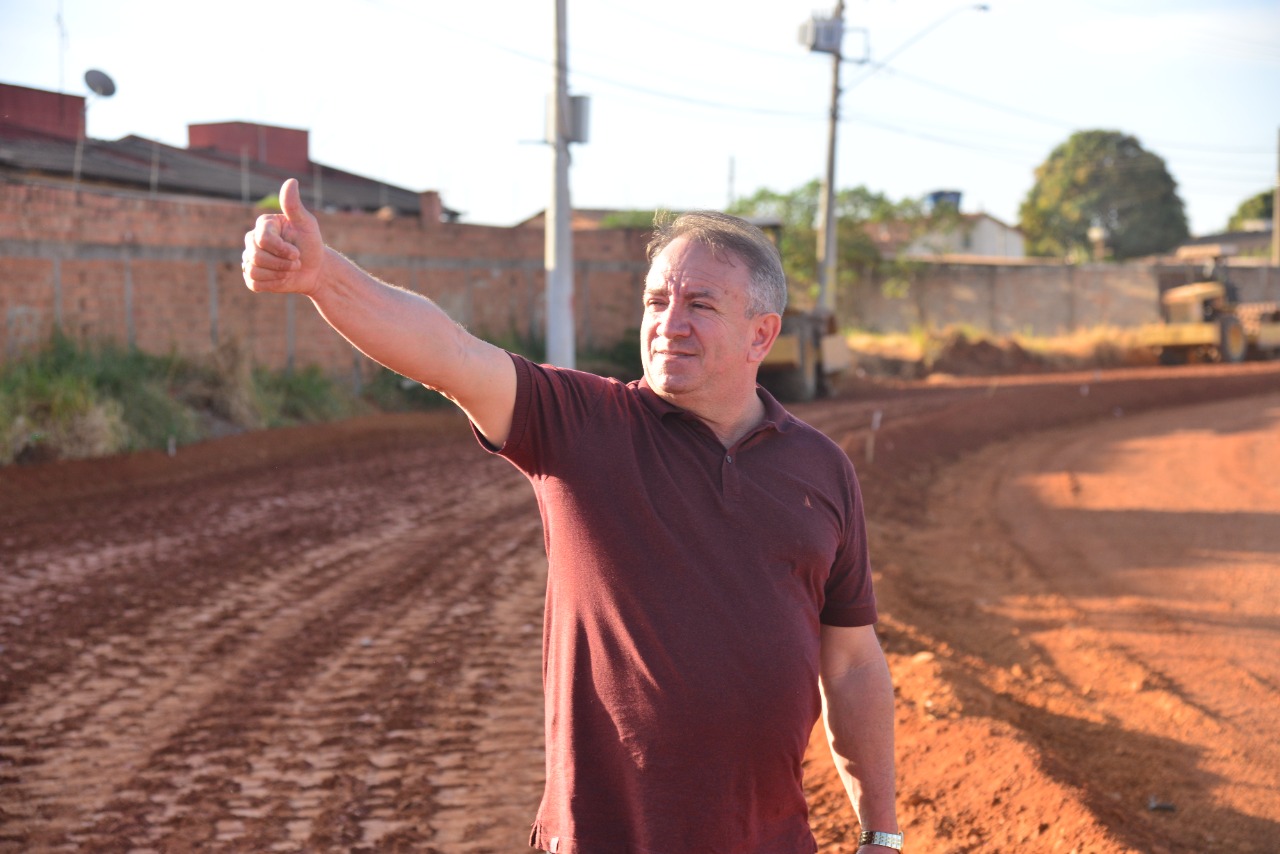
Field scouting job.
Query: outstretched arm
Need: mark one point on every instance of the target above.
(857, 703)
(404, 331)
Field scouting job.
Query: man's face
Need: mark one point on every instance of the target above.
(696, 339)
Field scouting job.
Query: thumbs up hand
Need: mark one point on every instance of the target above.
(284, 252)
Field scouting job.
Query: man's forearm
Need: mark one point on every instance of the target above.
(402, 330)
(858, 712)
(406, 332)
(413, 336)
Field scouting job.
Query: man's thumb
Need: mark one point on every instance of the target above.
(291, 203)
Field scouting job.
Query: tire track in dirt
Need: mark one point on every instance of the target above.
(96, 562)
(328, 640)
(372, 655)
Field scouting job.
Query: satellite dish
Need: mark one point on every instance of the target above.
(99, 83)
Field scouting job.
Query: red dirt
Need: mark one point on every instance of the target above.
(328, 638)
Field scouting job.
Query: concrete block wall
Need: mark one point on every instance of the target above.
(1040, 298)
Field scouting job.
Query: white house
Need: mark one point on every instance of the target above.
(977, 234)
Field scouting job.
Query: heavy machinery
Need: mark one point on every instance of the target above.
(808, 351)
(1205, 321)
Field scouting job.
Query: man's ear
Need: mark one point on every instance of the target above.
(764, 331)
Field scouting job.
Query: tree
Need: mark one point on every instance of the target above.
(797, 212)
(1261, 206)
(1107, 179)
(629, 219)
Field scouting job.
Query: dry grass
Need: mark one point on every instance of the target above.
(1099, 347)
(914, 353)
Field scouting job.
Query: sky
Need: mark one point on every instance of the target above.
(692, 102)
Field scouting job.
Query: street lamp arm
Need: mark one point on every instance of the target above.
(880, 65)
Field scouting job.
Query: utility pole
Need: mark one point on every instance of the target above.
(827, 199)
(559, 236)
(1275, 211)
(826, 35)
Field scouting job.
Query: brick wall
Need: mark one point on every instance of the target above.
(164, 274)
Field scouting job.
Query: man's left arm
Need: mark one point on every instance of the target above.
(857, 706)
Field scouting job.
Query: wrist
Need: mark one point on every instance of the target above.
(880, 840)
(335, 274)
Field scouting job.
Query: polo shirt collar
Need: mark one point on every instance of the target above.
(776, 417)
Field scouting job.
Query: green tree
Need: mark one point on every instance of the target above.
(1102, 178)
(797, 213)
(1261, 206)
(629, 219)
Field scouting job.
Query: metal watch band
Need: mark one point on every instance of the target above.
(879, 837)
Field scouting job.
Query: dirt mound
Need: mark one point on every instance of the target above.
(961, 357)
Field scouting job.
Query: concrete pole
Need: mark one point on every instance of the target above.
(559, 236)
(1275, 211)
(827, 198)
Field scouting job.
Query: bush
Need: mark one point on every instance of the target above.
(391, 392)
(298, 397)
(69, 400)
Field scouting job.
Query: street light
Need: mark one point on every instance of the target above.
(891, 55)
(1097, 234)
(824, 35)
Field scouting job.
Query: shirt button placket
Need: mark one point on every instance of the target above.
(729, 477)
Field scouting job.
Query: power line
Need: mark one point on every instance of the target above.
(755, 110)
(1020, 113)
(666, 27)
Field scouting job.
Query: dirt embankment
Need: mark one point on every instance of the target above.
(328, 639)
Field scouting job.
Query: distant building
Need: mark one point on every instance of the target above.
(1252, 241)
(591, 219)
(580, 219)
(41, 137)
(975, 236)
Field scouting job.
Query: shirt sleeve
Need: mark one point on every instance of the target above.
(850, 599)
(552, 407)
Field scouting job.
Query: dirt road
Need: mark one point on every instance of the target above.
(328, 639)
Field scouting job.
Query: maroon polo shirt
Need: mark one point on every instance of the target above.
(686, 587)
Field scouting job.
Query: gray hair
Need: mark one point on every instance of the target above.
(727, 234)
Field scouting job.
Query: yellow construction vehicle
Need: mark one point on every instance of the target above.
(1204, 321)
(808, 352)
(810, 349)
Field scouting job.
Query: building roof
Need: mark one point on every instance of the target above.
(1251, 242)
(890, 236)
(31, 147)
(588, 219)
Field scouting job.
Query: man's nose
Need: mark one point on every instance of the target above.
(674, 321)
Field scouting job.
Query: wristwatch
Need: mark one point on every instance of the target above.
(879, 837)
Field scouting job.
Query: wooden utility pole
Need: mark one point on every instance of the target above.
(559, 236)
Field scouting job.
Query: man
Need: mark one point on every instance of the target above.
(708, 592)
